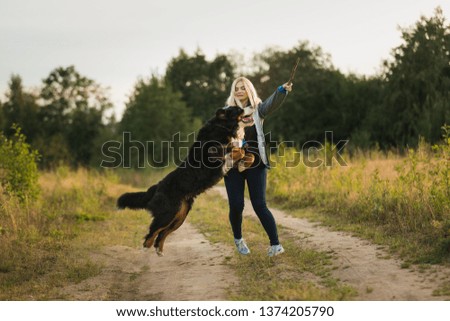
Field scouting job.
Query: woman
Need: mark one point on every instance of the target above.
(243, 94)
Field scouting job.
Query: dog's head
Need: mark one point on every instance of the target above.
(233, 116)
(229, 114)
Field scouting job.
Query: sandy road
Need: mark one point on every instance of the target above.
(192, 269)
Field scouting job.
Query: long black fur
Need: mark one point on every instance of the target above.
(201, 169)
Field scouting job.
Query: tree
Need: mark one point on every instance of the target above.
(154, 114)
(365, 98)
(418, 83)
(21, 109)
(2, 116)
(204, 85)
(73, 112)
(322, 99)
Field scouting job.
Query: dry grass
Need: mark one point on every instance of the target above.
(402, 201)
(45, 244)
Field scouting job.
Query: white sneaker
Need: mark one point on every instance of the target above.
(242, 247)
(275, 250)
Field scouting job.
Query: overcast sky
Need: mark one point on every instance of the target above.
(116, 41)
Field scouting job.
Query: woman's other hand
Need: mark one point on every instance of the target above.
(288, 86)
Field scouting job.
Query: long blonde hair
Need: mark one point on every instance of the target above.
(251, 93)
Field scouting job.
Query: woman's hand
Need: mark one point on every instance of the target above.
(288, 86)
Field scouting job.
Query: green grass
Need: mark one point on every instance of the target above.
(298, 274)
(443, 290)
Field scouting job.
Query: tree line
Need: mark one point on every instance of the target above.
(65, 119)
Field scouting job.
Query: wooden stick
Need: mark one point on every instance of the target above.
(293, 72)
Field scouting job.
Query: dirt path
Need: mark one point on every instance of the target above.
(192, 269)
(362, 264)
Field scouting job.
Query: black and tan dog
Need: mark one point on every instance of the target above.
(208, 160)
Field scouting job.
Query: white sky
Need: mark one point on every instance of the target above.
(116, 41)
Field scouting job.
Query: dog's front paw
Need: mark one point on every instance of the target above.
(246, 162)
(241, 167)
(237, 154)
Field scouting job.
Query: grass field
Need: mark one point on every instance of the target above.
(46, 243)
(403, 202)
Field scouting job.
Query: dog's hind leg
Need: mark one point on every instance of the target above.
(159, 242)
(155, 229)
(164, 213)
(159, 223)
(180, 217)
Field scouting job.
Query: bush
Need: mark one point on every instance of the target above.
(18, 169)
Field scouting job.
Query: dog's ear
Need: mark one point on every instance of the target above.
(221, 113)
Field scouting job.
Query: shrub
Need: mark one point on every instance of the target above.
(18, 169)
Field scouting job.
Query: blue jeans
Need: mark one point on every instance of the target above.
(256, 182)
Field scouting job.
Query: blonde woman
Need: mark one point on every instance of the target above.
(243, 94)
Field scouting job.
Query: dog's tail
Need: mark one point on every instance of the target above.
(137, 200)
